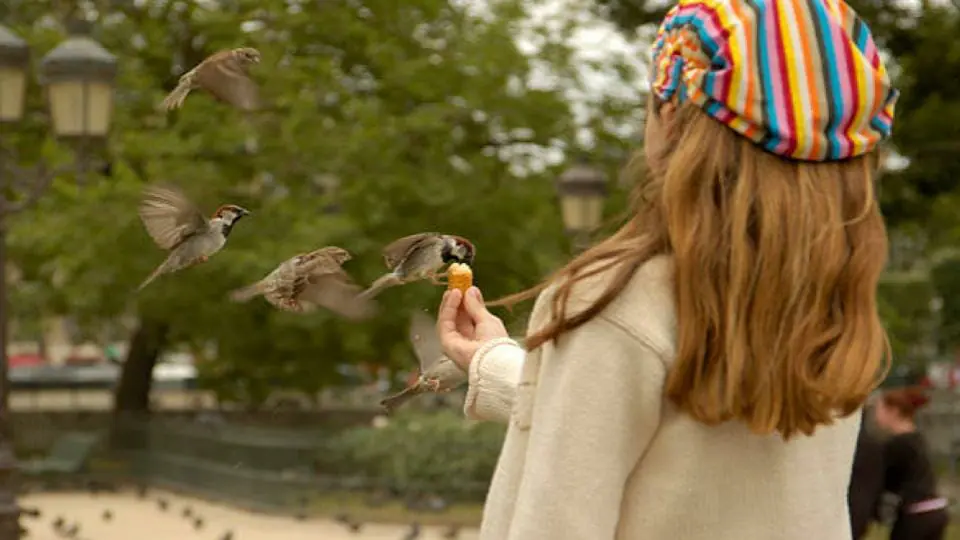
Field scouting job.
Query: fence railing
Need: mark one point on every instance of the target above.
(251, 447)
(267, 469)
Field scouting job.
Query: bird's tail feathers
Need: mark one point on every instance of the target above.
(244, 294)
(391, 403)
(383, 282)
(153, 275)
(175, 98)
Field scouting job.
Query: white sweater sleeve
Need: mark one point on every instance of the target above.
(594, 408)
(494, 374)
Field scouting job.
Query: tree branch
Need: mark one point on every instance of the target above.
(30, 183)
(31, 195)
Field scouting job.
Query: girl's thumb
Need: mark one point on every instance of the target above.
(473, 303)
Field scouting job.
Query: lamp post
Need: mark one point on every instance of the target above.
(78, 77)
(582, 190)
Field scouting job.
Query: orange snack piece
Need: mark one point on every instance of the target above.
(459, 276)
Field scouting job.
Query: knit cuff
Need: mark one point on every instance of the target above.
(493, 375)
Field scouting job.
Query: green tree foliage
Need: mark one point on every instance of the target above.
(904, 303)
(382, 119)
(921, 39)
(946, 279)
(628, 15)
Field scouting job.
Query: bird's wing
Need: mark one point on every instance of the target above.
(169, 216)
(338, 293)
(426, 344)
(223, 77)
(281, 281)
(323, 261)
(398, 250)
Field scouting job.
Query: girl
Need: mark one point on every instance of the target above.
(699, 375)
(922, 514)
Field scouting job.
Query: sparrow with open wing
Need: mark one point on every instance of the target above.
(420, 256)
(225, 75)
(176, 225)
(308, 280)
(437, 372)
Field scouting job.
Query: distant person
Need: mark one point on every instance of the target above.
(700, 374)
(866, 481)
(922, 512)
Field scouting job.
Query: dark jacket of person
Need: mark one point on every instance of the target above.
(866, 482)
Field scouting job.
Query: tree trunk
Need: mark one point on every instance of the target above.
(133, 391)
(131, 401)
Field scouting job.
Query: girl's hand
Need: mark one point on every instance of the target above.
(464, 325)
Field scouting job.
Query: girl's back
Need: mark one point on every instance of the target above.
(681, 478)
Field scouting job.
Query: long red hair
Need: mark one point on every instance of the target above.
(775, 266)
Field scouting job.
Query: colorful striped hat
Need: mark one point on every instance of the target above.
(801, 78)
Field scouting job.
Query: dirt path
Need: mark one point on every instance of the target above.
(142, 519)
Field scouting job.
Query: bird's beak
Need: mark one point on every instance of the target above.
(244, 212)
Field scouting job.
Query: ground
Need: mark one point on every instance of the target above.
(133, 517)
(953, 533)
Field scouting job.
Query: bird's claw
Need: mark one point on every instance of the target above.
(433, 384)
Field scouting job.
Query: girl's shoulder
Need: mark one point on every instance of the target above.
(644, 308)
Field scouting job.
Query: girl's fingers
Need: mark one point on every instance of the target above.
(447, 316)
(473, 303)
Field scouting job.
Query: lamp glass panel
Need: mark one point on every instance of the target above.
(572, 212)
(592, 211)
(13, 82)
(81, 108)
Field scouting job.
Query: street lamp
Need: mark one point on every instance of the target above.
(78, 76)
(582, 190)
(14, 59)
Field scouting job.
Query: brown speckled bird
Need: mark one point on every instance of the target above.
(304, 282)
(437, 372)
(177, 226)
(225, 75)
(420, 256)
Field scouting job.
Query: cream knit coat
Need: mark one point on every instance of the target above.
(594, 452)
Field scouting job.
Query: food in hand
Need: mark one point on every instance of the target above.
(459, 276)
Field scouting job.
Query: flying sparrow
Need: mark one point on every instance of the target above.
(420, 256)
(437, 372)
(308, 280)
(177, 226)
(225, 75)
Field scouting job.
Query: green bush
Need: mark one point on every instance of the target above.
(439, 452)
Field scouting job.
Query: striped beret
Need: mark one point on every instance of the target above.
(801, 78)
